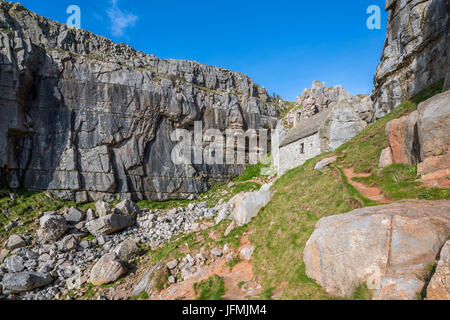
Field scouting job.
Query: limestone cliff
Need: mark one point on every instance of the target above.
(415, 53)
(87, 118)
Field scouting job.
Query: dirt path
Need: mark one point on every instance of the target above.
(239, 282)
(372, 193)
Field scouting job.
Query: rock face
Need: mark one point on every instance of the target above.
(433, 126)
(87, 118)
(388, 247)
(415, 53)
(439, 286)
(404, 139)
(319, 98)
(423, 137)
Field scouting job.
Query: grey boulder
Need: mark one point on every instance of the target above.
(25, 281)
(74, 215)
(127, 250)
(52, 228)
(15, 242)
(109, 224)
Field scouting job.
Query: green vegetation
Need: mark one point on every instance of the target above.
(251, 172)
(362, 293)
(232, 263)
(400, 182)
(303, 196)
(25, 208)
(212, 288)
(165, 205)
(7, 31)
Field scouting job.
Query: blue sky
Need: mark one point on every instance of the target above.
(281, 45)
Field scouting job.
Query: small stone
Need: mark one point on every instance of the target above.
(15, 242)
(325, 163)
(103, 209)
(74, 215)
(67, 244)
(172, 280)
(75, 282)
(172, 264)
(246, 253)
(14, 264)
(217, 252)
(385, 158)
(90, 215)
(10, 226)
(3, 254)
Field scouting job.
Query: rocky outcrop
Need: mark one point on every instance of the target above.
(319, 98)
(387, 247)
(439, 286)
(423, 137)
(87, 118)
(415, 53)
(404, 139)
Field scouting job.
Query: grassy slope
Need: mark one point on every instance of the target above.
(303, 196)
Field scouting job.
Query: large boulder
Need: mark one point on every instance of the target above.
(108, 269)
(52, 228)
(109, 224)
(25, 281)
(433, 125)
(403, 139)
(384, 247)
(439, 286)
(248, 204)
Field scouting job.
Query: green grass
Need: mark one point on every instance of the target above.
(165, 205)
(7, 31)
(400, 182)
(212, 288)
(362, 293)
(303, 196)
(27, 207)
(251, 172)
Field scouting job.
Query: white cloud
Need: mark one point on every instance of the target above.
(120, 20)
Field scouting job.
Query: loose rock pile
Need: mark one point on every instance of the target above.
(58, 258)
